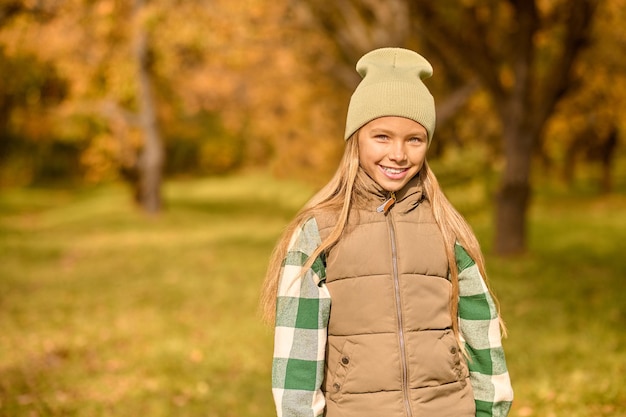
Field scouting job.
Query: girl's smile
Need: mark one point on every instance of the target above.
(394, 173)
(392, 150)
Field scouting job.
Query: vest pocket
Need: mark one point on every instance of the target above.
(342, 368)
(456, 359)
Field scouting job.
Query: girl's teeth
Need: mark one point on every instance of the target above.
(393, 170)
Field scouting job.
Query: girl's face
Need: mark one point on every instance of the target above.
(392, 150)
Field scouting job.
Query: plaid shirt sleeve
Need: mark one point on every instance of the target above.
(302, 312)
(480, 331)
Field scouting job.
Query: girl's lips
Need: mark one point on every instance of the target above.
(393, 173)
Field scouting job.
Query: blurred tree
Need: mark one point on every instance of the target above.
(523, 52)
(151, 157)
(74, 55)
(10, 8)
(30, 89)
(266, 83)
(589, 123)
(595, 143)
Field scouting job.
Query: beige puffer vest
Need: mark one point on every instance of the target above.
(391, 351)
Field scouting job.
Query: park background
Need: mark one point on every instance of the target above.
(151, 152)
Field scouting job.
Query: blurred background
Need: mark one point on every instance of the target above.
(152, 151)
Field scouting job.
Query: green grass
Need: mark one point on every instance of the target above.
(106, 312)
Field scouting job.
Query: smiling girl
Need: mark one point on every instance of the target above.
(377, 287)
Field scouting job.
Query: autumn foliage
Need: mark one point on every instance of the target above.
(235, 84)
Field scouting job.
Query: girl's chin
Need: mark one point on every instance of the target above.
(391, 185)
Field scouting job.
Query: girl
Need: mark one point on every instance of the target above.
(377, 286)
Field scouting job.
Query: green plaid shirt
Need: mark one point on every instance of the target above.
(303, 309)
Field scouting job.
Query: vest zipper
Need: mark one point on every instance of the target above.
(396, 285)
(384, 208)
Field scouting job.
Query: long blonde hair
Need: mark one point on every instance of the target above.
(337, 196)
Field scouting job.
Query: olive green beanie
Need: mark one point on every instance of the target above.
(392, 86)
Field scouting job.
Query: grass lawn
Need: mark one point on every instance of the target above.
(106, 312)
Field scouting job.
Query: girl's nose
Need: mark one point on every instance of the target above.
(397, 152)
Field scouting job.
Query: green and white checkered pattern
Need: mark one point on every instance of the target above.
(480, 331)
(303, 310)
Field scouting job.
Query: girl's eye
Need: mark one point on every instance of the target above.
(381, 137)
(416, 139)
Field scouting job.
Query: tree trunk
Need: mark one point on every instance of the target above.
(513, 197)
(607, 155)
(151, 157)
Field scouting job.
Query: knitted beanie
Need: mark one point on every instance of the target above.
(392, 86)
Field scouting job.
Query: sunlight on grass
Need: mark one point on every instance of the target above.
(108, 312)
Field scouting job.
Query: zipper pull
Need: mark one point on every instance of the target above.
(384, 208)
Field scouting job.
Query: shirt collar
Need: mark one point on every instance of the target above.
(369, 195)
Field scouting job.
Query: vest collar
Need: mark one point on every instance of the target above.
(369, 195)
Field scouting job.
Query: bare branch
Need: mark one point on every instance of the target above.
(455, 100)
(357, 27)
(459, 48)
(556, 83)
